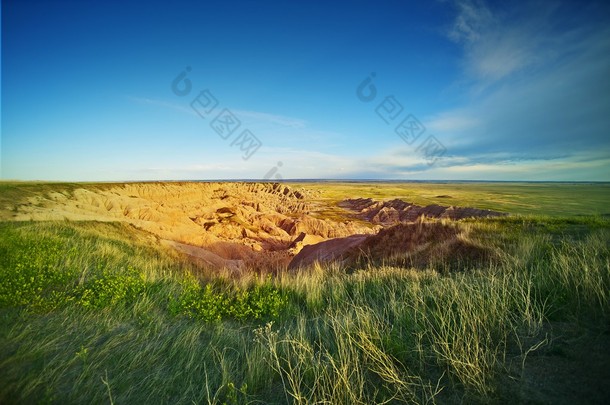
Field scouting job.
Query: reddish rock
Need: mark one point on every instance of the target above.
(396, 211)
(327, 251)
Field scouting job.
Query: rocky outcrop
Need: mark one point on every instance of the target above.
(419, 244)
(324, 228)
(327, 251)
(227, 224)
(397, 211)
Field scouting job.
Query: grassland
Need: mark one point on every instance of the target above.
(550, 199)
(99, 313)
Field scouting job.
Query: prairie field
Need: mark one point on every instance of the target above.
(176, 293)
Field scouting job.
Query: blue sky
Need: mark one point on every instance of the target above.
(486, 90)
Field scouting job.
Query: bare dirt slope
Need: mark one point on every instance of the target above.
(418, 244)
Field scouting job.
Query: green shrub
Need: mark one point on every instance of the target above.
(111, 290)
(211, 304)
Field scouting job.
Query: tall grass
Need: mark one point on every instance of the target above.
(117, 320)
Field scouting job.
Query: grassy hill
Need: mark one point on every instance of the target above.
(91, 313)
(94, 312)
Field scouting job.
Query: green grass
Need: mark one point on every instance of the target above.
(98, 313)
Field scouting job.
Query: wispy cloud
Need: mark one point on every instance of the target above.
(180, 107)
(274, 119)
(473, 19)
(536, 93)
(252, 117)
(292, 163)
(451, 121)
(498, 45)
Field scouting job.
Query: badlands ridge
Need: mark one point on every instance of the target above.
(252, 225)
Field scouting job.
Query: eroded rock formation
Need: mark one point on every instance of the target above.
(233, 225)
(418, 244)
(396, 211)
(401, 237)
(242, 226)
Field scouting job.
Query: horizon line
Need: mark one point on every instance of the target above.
(306, 180)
